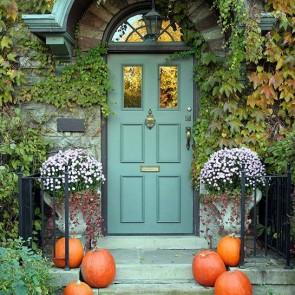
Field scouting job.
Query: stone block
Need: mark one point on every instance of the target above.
(101, 12)
(212, 33)
(193, 6)
(90, 32)
(112, 6)
(63, 277)
(200, 13)
(91, 20)
(86, 43)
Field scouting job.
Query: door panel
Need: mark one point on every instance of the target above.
(149, 188)
(168, 143)
(132, 143)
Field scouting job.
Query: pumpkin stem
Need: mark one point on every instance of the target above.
(78, 282)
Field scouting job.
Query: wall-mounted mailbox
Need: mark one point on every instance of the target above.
(70, 125)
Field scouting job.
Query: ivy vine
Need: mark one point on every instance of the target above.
(84, 83)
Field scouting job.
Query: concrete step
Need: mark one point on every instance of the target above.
(151, 289)
(162, 265)
(155, 266)
(152, 242)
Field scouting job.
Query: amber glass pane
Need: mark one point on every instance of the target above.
(132, 86)
(168, 86)
(170, 33)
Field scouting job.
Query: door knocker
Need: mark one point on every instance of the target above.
(150, 120)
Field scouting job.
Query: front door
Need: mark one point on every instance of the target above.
(149, 153)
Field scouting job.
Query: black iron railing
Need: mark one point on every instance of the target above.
(31, 196)
(274, 219)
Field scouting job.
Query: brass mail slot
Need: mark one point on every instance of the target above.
(149, 168)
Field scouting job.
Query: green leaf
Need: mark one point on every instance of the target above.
(235, 126)
(208, 57)
(11, 56)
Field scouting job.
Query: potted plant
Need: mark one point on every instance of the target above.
(220, 179)
(84, 180)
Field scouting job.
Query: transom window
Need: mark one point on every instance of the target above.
(134, 30)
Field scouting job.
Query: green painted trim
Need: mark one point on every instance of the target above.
(60, 45)
(56, 21)
(53, 28)
(267, 21)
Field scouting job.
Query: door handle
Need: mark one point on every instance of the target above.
(188, 137)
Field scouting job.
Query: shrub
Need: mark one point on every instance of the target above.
(21, 145)
(23, 271)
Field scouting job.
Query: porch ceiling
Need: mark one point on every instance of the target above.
(57, 28)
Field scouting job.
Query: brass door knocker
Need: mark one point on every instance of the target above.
(150, 120)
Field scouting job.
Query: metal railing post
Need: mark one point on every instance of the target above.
(266, 214)
(66, 218)
(255, 219)
(288, 213)
(20, 204)
(243, 196)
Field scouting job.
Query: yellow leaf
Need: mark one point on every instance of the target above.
(5, 42)
(251, 101)
(280, 63)
(12, 11)
(12, 73)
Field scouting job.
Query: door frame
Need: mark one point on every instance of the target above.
(130, 48)
(104, 149)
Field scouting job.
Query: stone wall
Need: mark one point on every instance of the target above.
(90, 139)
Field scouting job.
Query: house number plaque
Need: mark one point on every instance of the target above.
(149, 168)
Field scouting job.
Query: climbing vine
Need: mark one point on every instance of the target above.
(247, 95)
(21, 143)
(233, 112)
(83, 83)
(16, 42)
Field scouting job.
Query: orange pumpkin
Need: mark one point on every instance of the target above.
(233, 283)
(229, 248)
(77, 288)
(76, 253)
(207, 266)
(98, 268)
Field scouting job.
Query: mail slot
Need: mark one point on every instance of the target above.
(149, 168)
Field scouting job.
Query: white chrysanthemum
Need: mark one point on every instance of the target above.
(84, 172)
(223, 169)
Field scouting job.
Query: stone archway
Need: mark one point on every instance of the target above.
(96, 18)
(58, 28)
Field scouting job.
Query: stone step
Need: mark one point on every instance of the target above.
(151, 289)
(152, 242)
(163, 265)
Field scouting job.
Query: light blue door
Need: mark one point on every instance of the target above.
(149, 186)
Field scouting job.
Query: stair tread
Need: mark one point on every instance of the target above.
(152, 242)
(144, 257)
(154, 288)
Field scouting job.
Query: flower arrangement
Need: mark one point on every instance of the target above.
(85, 177)
(84, 172)
(222, 172)
(221, 178)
